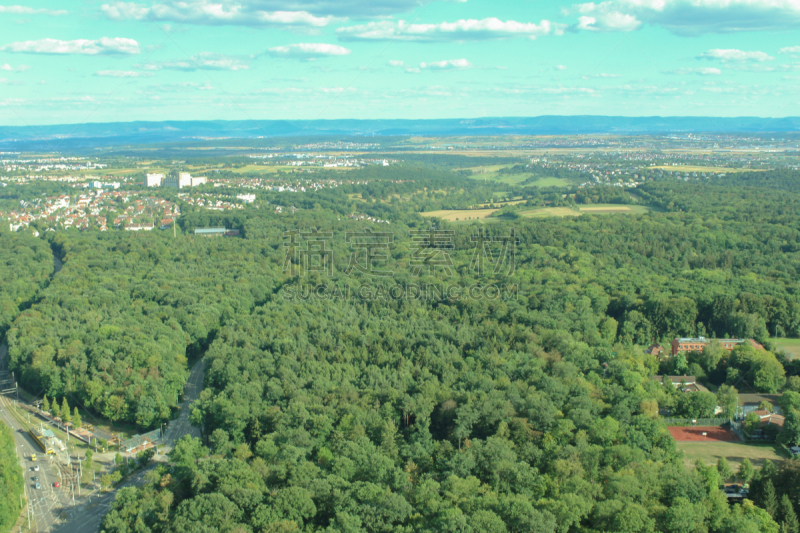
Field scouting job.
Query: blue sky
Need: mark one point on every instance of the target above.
(107, 61)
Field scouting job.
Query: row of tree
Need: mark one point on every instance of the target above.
(11, 479)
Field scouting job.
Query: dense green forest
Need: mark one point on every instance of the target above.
(115, 328)
(530, 408)
(11, 479)
(26, 264)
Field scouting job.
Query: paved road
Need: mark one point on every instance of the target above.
(3, 357)
(88, 516)
(47, 502)
(54, 510)
(180, 427)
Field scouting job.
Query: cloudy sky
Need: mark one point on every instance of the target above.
(95, 61)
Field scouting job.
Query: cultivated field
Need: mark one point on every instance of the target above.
(466, 214)
(606, 209)
(709, 452)
(550, 212)
(690, 168)
(538, 212)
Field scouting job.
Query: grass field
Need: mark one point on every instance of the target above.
(790, 346)
(734, 452)
(551, 182)
(515, 179)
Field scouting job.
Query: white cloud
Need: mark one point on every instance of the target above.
(731, 54)
(395, 63)
(561, 67)
(202, 61)
(123, 74)
(705, 71)
(308, 51)
(449, 64)
(602, 75)
(794, 50)
(461, 30)
(8, 68)
(613, 21)
(688, 17)
(105, 45)
(23, 10)
(218, 9)
(217, 13)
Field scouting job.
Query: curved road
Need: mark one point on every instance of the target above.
(51, 506)
(90, 516)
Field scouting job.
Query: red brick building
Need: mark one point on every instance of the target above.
(689, 344)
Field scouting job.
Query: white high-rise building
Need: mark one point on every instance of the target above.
(153, 180)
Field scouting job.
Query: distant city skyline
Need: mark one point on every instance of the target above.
(111, 61)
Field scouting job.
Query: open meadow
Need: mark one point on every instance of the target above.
(790, 346)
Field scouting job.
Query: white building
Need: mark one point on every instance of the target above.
(200, 180)
(247, 198)
(104, 185)
(153, 180)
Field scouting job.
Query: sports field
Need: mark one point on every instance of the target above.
(735, 452)
(703, 434)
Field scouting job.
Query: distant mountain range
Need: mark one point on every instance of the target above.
(88, 136)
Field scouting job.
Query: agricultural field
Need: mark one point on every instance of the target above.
(790, 346)
(691, 168)
(542, 212)
(261, 169)
(735, 452)
(537, 212)
(460, 215)
(610, 209)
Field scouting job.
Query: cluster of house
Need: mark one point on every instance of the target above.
(88, 210)
(211, 202)
(368, 218)
(748, 403)
(182, 180)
